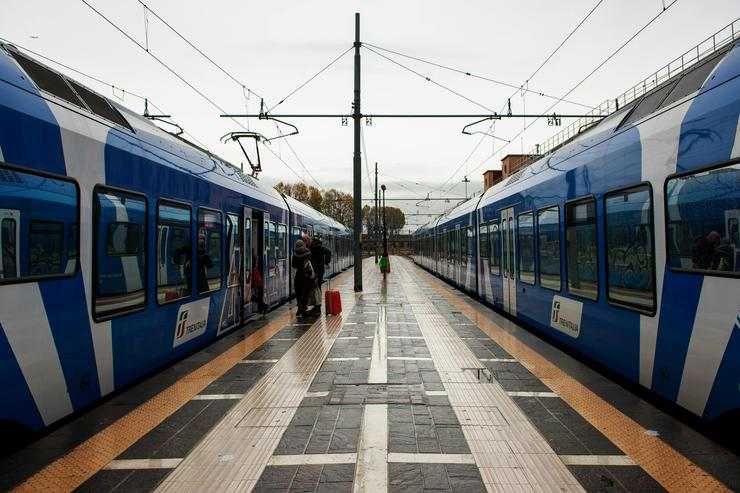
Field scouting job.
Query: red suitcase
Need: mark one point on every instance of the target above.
(333, 302)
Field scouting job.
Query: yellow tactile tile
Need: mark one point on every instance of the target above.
(667, 466)
(71, 470)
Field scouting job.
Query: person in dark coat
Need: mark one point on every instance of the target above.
(304, 275)
(320, 258)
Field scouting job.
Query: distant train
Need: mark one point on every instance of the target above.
(122, 247)
(624, 243)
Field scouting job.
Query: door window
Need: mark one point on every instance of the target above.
(582, 257)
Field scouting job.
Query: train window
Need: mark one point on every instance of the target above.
(471, 241)
(495, 237)
(38, 220)
(124, 239)
(282, 237)
(692, 80)
(485, 244)
(630, 258)
(45, 247)
(272, 250)
(209, 250)
(99, 105)
(9, 250)
(505, 247)
(582, 254)
(548, 229)
(119, 260)
(525, 233)
(174, 252)
(247, 250)
(234, 246)
(46, 79)
(703, 212)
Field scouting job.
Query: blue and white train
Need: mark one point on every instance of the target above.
(122, 247)
(624, 243)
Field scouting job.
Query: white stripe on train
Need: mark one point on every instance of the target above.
(84, 159)
(29, 335)
(659, 139)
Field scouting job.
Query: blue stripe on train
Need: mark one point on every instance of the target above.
(726, 390)
(71, 331)
(18, 403)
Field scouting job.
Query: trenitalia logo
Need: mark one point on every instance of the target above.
(192, 321)
(565, 315)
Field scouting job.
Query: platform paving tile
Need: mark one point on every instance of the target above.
(176, 436)
(306, 478)
(123, 481)
(404, 477)
(321, 430)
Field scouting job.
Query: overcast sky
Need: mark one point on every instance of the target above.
(274, 46)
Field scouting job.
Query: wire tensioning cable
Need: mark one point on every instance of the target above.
(469, 74)
(304, 84)
(429, 79)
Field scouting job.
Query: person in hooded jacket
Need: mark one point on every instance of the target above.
(304, 275)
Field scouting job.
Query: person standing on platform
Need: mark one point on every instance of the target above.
(304, 275)
(320, 258)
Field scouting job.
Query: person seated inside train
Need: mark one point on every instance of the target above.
(711, 253)
(204, 263)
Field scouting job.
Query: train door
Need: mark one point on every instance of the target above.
(10, 221)
(247, 264)
(508, 259)
(231, 310)
(258, 253)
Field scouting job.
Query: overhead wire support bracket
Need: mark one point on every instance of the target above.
(162, 119)
(480, 132)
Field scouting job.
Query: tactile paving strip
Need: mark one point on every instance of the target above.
(236, 451)
(667, 466)
(504, 444)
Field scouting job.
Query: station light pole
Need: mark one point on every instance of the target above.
(376, 240)
(385, 264)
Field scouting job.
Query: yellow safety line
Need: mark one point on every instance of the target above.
(665, 464)
(79, 464)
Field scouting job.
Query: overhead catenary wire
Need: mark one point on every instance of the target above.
(200, 52)
(176, 74)
(241, 84)
(517, 89)
(584, 79)
(468, 73)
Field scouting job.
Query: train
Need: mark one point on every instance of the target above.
(123, 247)
(622, 244)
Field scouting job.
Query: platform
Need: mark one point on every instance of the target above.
(416, 387)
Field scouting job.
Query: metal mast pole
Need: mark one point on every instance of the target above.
(357, 168)
(385, 227)
(376, 240)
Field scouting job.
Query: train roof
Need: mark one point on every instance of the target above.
(686, 83)
(127, 124)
